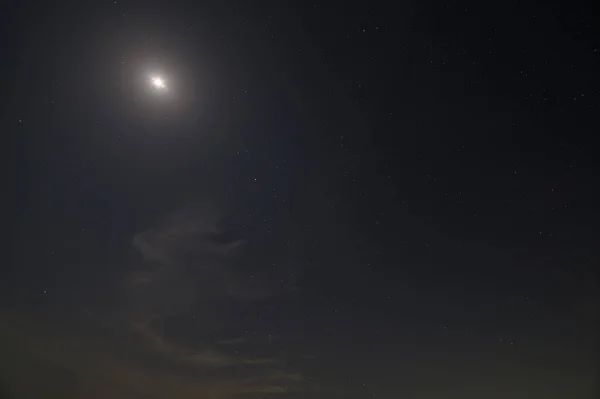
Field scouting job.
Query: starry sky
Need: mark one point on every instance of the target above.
(327, 200)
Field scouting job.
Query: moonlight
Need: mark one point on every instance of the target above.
(158, 82)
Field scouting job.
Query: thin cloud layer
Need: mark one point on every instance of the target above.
(191, 268)
(167, 338)
(73, 365)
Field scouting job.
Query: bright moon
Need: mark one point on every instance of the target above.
(158, 83)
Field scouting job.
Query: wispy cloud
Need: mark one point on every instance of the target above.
(47, 361)
(189, 271)
(233, 341)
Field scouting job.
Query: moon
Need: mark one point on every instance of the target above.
(158, 83)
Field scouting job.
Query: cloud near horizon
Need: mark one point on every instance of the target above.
(170, 336)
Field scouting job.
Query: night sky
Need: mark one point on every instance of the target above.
(350, 200)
